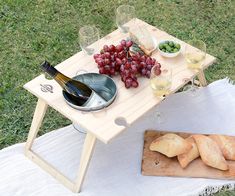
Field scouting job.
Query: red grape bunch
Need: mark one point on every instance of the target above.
(118, 59)
(112, 57)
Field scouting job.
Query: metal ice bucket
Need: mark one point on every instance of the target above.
(102, 84)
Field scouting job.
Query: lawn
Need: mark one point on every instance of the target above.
(34, 30)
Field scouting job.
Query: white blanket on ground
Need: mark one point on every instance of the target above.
(115, 168)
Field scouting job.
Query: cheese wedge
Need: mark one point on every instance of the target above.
(141, 36)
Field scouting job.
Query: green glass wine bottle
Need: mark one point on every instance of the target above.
(81, 93)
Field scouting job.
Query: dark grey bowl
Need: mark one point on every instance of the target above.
(102, 84)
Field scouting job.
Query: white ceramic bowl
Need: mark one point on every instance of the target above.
(167, 54)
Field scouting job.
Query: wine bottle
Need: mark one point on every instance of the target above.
(84, 95)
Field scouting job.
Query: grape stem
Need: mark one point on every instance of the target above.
(128, 55)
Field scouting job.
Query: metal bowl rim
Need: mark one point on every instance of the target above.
(97, 108)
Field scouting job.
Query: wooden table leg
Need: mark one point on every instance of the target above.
(36, 123)
(75, 186)
(202, 78)
(87, 151)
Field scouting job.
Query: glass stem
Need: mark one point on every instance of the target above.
(193, 83)
(158, 117)
(193, 87)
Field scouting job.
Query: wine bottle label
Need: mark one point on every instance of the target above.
(94, 100)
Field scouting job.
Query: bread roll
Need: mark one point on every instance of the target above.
(210, 152)
(226, 144)
(185, 158)
(170, 145)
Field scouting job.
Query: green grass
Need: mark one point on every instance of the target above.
(34, 30)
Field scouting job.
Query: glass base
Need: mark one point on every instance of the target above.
(124, 29)
(191, 89)
(79, 128)
(89, 51)
(158, 117)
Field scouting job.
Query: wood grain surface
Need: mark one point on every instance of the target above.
(157, 164)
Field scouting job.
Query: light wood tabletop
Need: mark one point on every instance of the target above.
(129, 104)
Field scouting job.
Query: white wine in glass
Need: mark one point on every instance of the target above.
(161, 82)
(195, 54)
(160, 86)
(194, 61)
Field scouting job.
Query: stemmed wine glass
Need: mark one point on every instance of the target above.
(195, 54)
(87, 36)
(161, 81)
(124, 14)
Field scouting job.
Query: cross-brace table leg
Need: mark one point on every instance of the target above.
(202, 78)
(87, 151)
(88, 148)
(39, 114)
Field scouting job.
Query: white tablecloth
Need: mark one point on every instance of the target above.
(115, 168)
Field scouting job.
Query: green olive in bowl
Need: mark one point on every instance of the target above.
(169, 48)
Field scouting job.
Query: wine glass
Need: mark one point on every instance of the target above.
(87, 36)
(124, 14)
(161, 81)
(195, 54)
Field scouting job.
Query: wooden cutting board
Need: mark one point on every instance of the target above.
(157, 164)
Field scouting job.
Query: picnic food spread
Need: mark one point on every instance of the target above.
(124, 60)
(212, 149)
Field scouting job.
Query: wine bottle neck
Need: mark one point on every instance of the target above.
(49, 69)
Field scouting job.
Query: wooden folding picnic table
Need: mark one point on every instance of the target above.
(130, 104)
